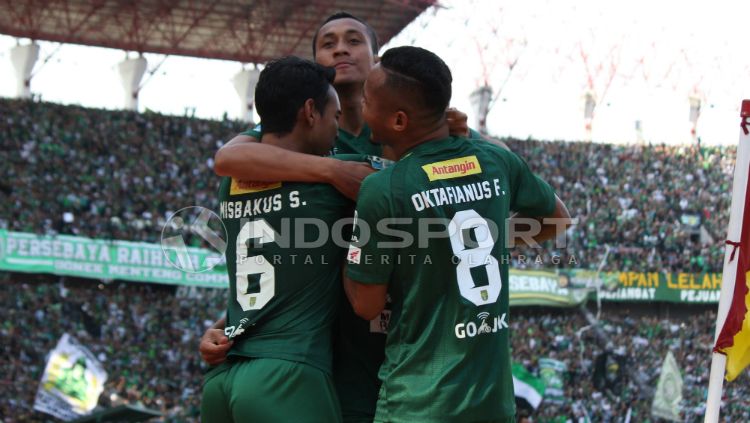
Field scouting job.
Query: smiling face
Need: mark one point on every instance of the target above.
(344, 44)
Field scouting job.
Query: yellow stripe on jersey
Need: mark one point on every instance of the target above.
(453, 168)
(247, 187)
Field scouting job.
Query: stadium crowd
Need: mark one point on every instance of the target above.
(119, 175)
(640, 341)
(659, 208)
(103, 174)
(144, 334)
(146, 337)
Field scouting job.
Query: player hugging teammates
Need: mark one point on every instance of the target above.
(415, 326)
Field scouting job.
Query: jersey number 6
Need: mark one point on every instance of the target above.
(262, 232)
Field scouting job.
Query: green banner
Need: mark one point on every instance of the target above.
(144, 262)
(571, 287)
(688, 288)
(542, 287)
(93, 258)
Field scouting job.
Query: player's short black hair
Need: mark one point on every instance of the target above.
(283, 87)
(343, 15)
(419, 74)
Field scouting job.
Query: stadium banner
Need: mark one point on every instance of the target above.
(552, 372)
(102, 259)
(145, 262)
(686, 288)
(72, 381)
(571, 287)
(548, 288)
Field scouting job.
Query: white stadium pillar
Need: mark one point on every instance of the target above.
(23, 59)
(480, 102)
(695, 114)
(131, 72)
(588, 113)
(244, 84)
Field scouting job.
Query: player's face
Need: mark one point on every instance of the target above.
(375, 106)
(326, 128)
(343, 44)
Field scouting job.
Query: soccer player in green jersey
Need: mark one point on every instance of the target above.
(350, 45)
(283, 288)
(447, 350)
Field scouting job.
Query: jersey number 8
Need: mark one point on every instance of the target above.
(461, 224)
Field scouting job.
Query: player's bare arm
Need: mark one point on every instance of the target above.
(367, 300)
(551, 226)
(254, 161)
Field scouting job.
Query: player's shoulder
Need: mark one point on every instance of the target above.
(255, 132)
(489, 147)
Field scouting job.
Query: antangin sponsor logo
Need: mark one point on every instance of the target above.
(482, 327)
(246, 187)
(454, 168)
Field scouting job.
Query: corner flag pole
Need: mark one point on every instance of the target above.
(729, 274)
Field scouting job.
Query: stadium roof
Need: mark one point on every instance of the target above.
(248, 31)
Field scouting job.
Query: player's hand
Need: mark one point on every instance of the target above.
(347, 177)
(457, 122)
(214, 346)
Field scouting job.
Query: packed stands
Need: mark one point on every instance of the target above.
(146, 337)
(118, 175)
(103, 174)
(660, 208)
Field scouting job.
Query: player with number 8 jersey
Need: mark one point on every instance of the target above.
(449, 289)
(436, 245)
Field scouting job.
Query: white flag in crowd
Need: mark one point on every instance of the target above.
(668, 391)
(72, 381)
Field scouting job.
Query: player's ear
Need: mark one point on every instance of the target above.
(308, 112)
(375, 60)
(400, 121)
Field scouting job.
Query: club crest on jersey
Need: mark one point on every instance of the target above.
(246, 187)
(453, 168)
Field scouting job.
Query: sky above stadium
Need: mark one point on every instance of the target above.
(641, 60)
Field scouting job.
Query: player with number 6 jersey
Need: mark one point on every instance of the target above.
(284, 265)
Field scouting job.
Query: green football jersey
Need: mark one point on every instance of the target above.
(447, 353)
(284, 268)
(475, 135)
(346, 143)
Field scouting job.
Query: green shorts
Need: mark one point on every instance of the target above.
(261, 390)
